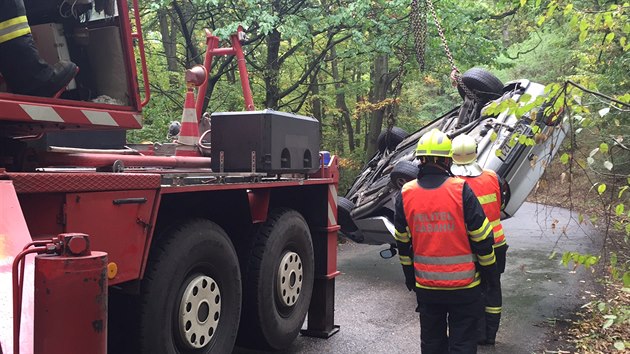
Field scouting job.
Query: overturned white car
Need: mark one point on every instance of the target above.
(517, 132)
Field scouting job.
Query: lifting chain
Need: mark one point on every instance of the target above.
(419, 31)
(418, 25)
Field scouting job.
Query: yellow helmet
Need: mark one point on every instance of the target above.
(434, 143)
(464, 150)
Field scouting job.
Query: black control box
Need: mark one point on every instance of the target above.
(264, 141)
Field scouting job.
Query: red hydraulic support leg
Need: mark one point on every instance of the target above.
(212, 43)
(321, 313)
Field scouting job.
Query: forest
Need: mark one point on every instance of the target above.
(361, 67)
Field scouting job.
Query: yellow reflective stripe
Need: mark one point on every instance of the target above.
(495, 223)
(495, 310)
(14, 34)
(499, 244)
(487, 259)
(481, 233)
(402, 236)
(474, 283)
(405, 260)
(488, 198)
(479, 230)
(13, 21)
(498, 234)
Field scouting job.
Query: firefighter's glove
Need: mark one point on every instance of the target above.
(411, 284)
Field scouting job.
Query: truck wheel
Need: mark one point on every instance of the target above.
(191, 292)
(403, 172)
(278, 282)
(483, 83)
(395, 137)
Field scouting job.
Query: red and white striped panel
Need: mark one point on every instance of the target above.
(332, 205)
(74, 115)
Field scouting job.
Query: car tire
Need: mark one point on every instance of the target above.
(483, 83)
(403, 172)
(390, 141)
(278, 282)
(191, 292)
(344, 207)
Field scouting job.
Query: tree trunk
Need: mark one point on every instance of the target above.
(170, 46)
(380, 79)
(340, 102)
(184, 16)
(316, 102)
(272, 70)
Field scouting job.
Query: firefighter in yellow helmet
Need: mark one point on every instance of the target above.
(445, 246)
(24, 71)
(491, 191)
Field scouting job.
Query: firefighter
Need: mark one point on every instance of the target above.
(491, 190)
(23, 69)
(445, 247)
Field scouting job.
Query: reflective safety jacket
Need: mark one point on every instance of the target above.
(13, 22)
(442, 255)
(487, 189)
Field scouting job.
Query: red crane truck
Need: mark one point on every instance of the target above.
(181, 247)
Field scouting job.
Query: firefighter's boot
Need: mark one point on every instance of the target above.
(26, 73)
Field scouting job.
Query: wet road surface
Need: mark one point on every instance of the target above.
(376, 312)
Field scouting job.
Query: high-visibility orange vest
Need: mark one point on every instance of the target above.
(487, 189)
(442, 256)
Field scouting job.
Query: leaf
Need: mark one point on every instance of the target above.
(603, 147)
(601, 188)
(523, 2)
(609, 38)
(493, 136)
(609, 322)
(568, 9)
(608, 165)
(553, 254)
(590, 160)
(582, 36)
(564, 158)
(580, 218)
(604, 111)
(621, 190)
(583, 25)
(619, 345)
(601, 306)
(626, 279)
(619, 209)
(535, 129)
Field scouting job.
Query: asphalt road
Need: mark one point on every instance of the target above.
(376, 312)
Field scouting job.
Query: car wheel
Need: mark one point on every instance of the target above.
(191, 292)
(278, 282)
(390, 141)
(344, 207)
(483, 83)
(403, 172)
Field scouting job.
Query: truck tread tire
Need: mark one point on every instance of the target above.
(483, 83)
(267, 322)
(403, 172)
(396, 136)
(193, 250)
(344, 207)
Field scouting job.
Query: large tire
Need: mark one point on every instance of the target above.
(390, 141)
(191, 292)
(278, 282)
(483, 83)
(403, 172)
(344, 207)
